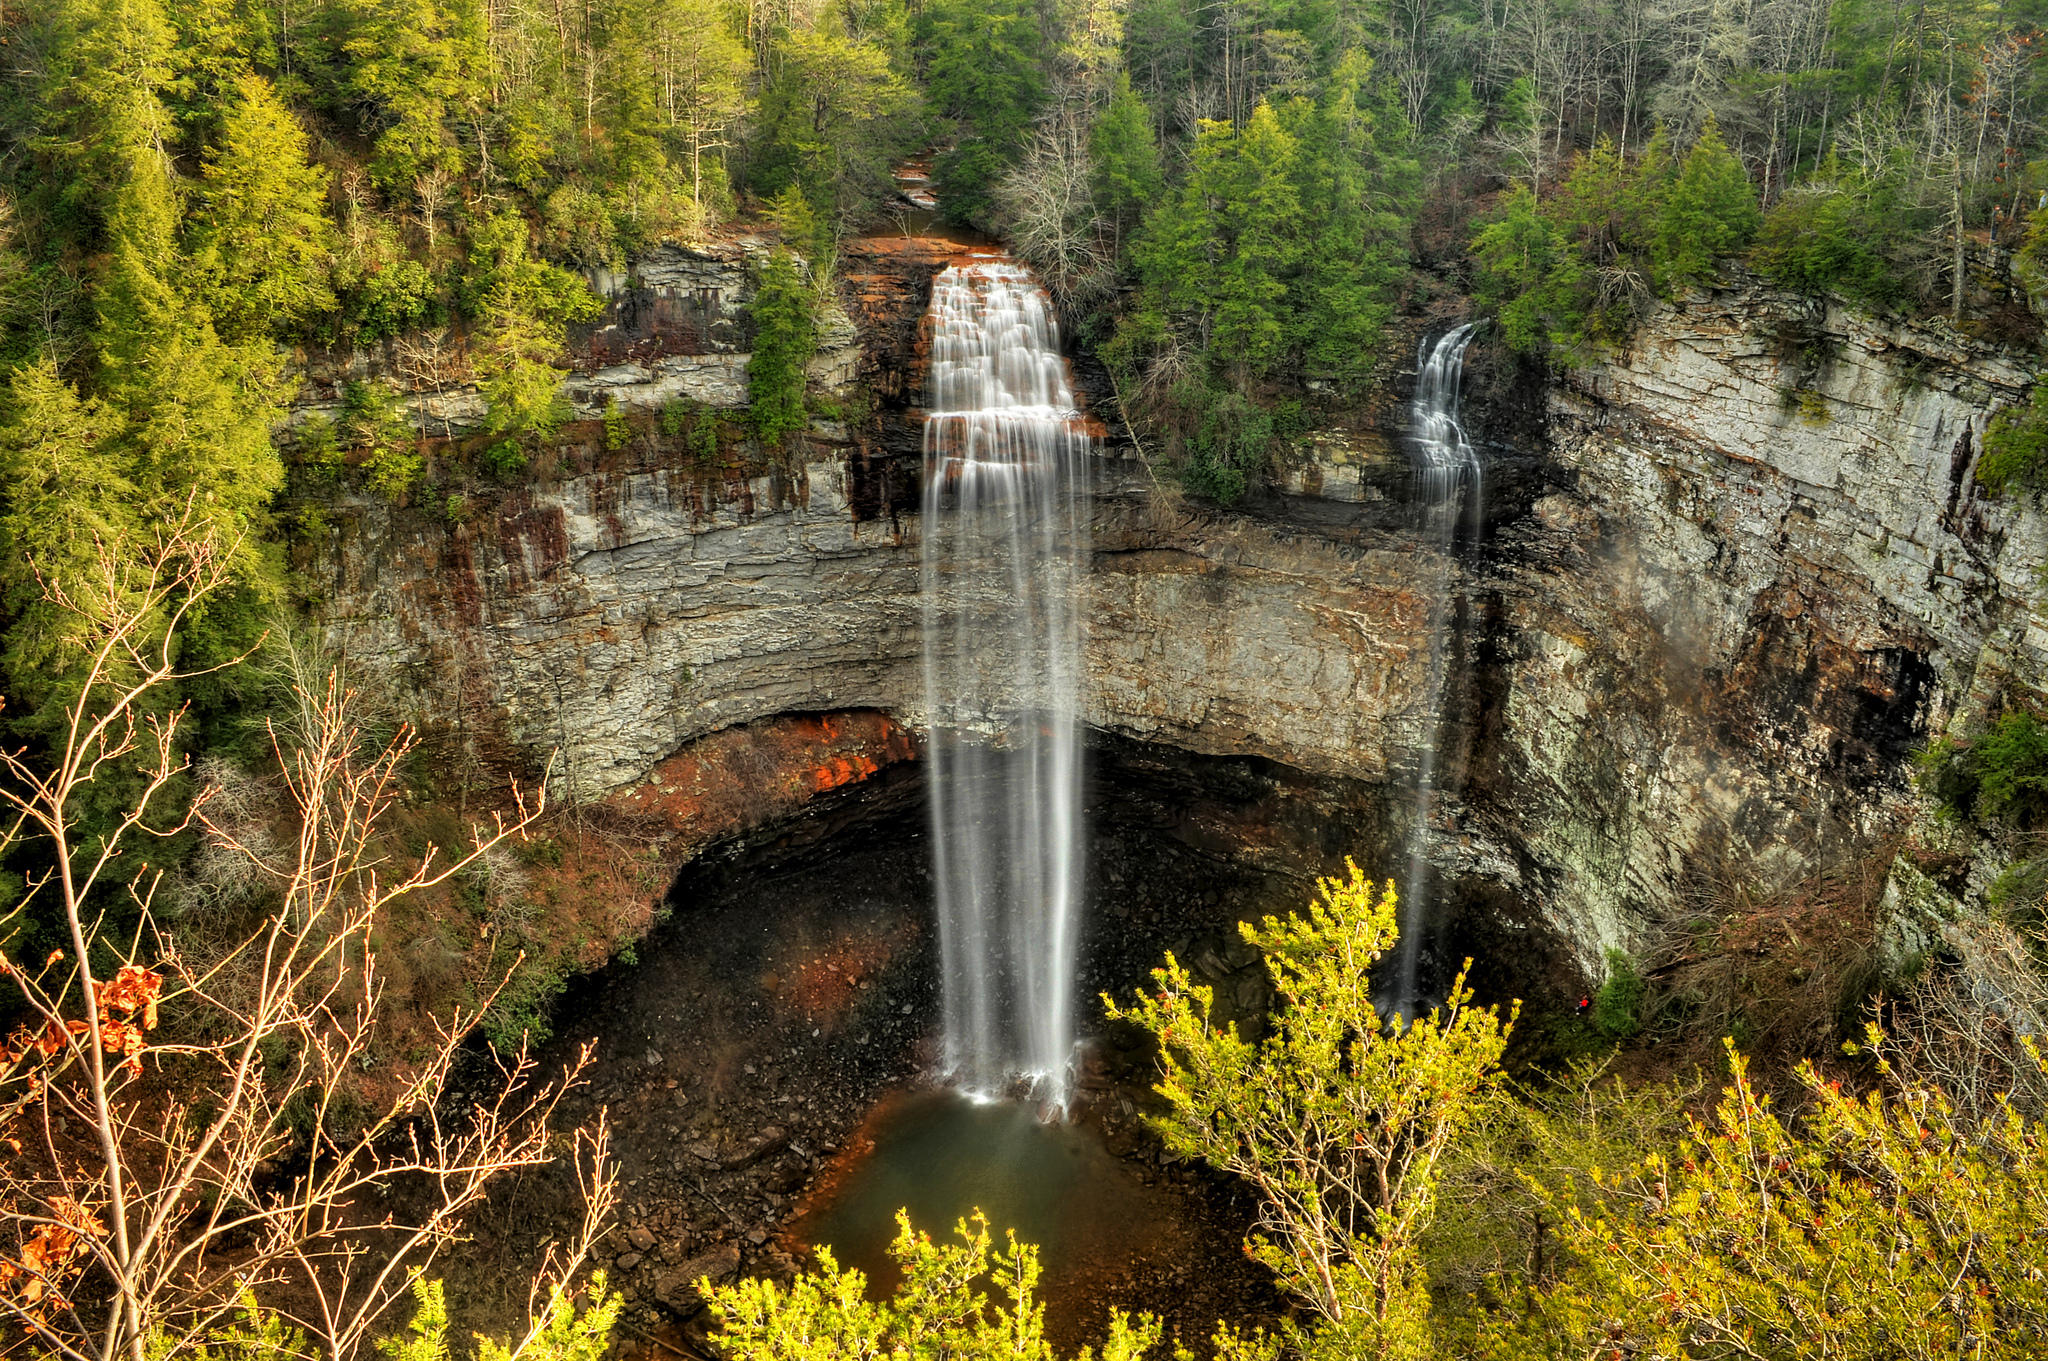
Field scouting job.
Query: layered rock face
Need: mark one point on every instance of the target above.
(1748, 573)
(1763, 575)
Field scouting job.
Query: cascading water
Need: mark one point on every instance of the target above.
(1449, 491)
(1005, 543)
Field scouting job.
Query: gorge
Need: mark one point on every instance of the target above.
(1702, 627)
(1378, 671)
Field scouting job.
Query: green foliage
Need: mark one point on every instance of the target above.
(1617, 1006)
(261, 237)
(1709, 211)
(252, 1334)
(383, 291)
(1339, 1120)
(833, 115)
(1836, 234)
(785, 338)
(939, 1310)
(1526, 272)
(1284, 242)
(983, 66)
(1877, 1229)
(1571, 274)
(1228, 441)
(393, 470)
(1535, 1145)
(1217, 257)
(2015, 455)
(2000, 775)
(1124, 156)
(504, 460)
(563, 1332)
(618, 431)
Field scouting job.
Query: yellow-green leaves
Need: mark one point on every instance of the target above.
(1339, 1118)
(939, 1311)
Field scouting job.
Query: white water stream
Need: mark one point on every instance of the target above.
(1005, 545)
(1448, 480)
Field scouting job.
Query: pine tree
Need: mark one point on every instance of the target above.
(65, 494)
(785, 338)
(1356, 182)
(1261, 220)
(1709, 212)
(1125, 156)
(262, 241)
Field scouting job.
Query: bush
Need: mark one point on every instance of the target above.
(1814, 240)
(393, 470)
(1616, 1007)
(2001, 775)
(618, 431)
(504, 460)
(2016, 447)
(1227, 439)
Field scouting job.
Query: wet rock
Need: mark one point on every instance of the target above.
(640, 1238)
(678, 1289)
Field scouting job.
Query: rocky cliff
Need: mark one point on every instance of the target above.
(1762, 575)
(1743, 577)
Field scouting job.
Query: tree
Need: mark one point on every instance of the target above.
(67, 497)
(159, 1083)
(524, 306)
(830, 120)
(1125, 154)
(702, 71)
(1877, 1229)
(1709, 212)
(405, 66)
(1356, 182)
(1338, 1120)
(785, 338)
(262, 241)
(938, 1310)
(982, 63)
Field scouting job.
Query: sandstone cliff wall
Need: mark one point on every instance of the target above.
(1762, 575)
(1746, 574)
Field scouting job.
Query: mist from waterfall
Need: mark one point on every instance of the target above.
(1449, 494)
(1005, 544)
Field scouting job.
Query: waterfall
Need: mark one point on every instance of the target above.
(1449, 490)
(1005, 545)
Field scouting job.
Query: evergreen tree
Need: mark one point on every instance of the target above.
(982, 62)
(262, 241)
(65, 495)
(1709, 212)
(1125, 157)
(785, 338)
(1356, 183)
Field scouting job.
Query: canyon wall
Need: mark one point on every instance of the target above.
(1743, 577)
(1763, 575)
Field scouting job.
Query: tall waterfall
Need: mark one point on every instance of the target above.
(1449, 492)
(1005, 544)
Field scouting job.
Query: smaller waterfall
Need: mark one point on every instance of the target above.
(1449, 490)
(1005, 545)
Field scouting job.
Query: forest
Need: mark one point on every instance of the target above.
(1229, 204)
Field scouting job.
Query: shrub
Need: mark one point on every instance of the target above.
(504, 460)
(2016, 446)
(1617, 1005)
(393, 470)
(1227, 440)
(2000, 775)
(618, 431)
